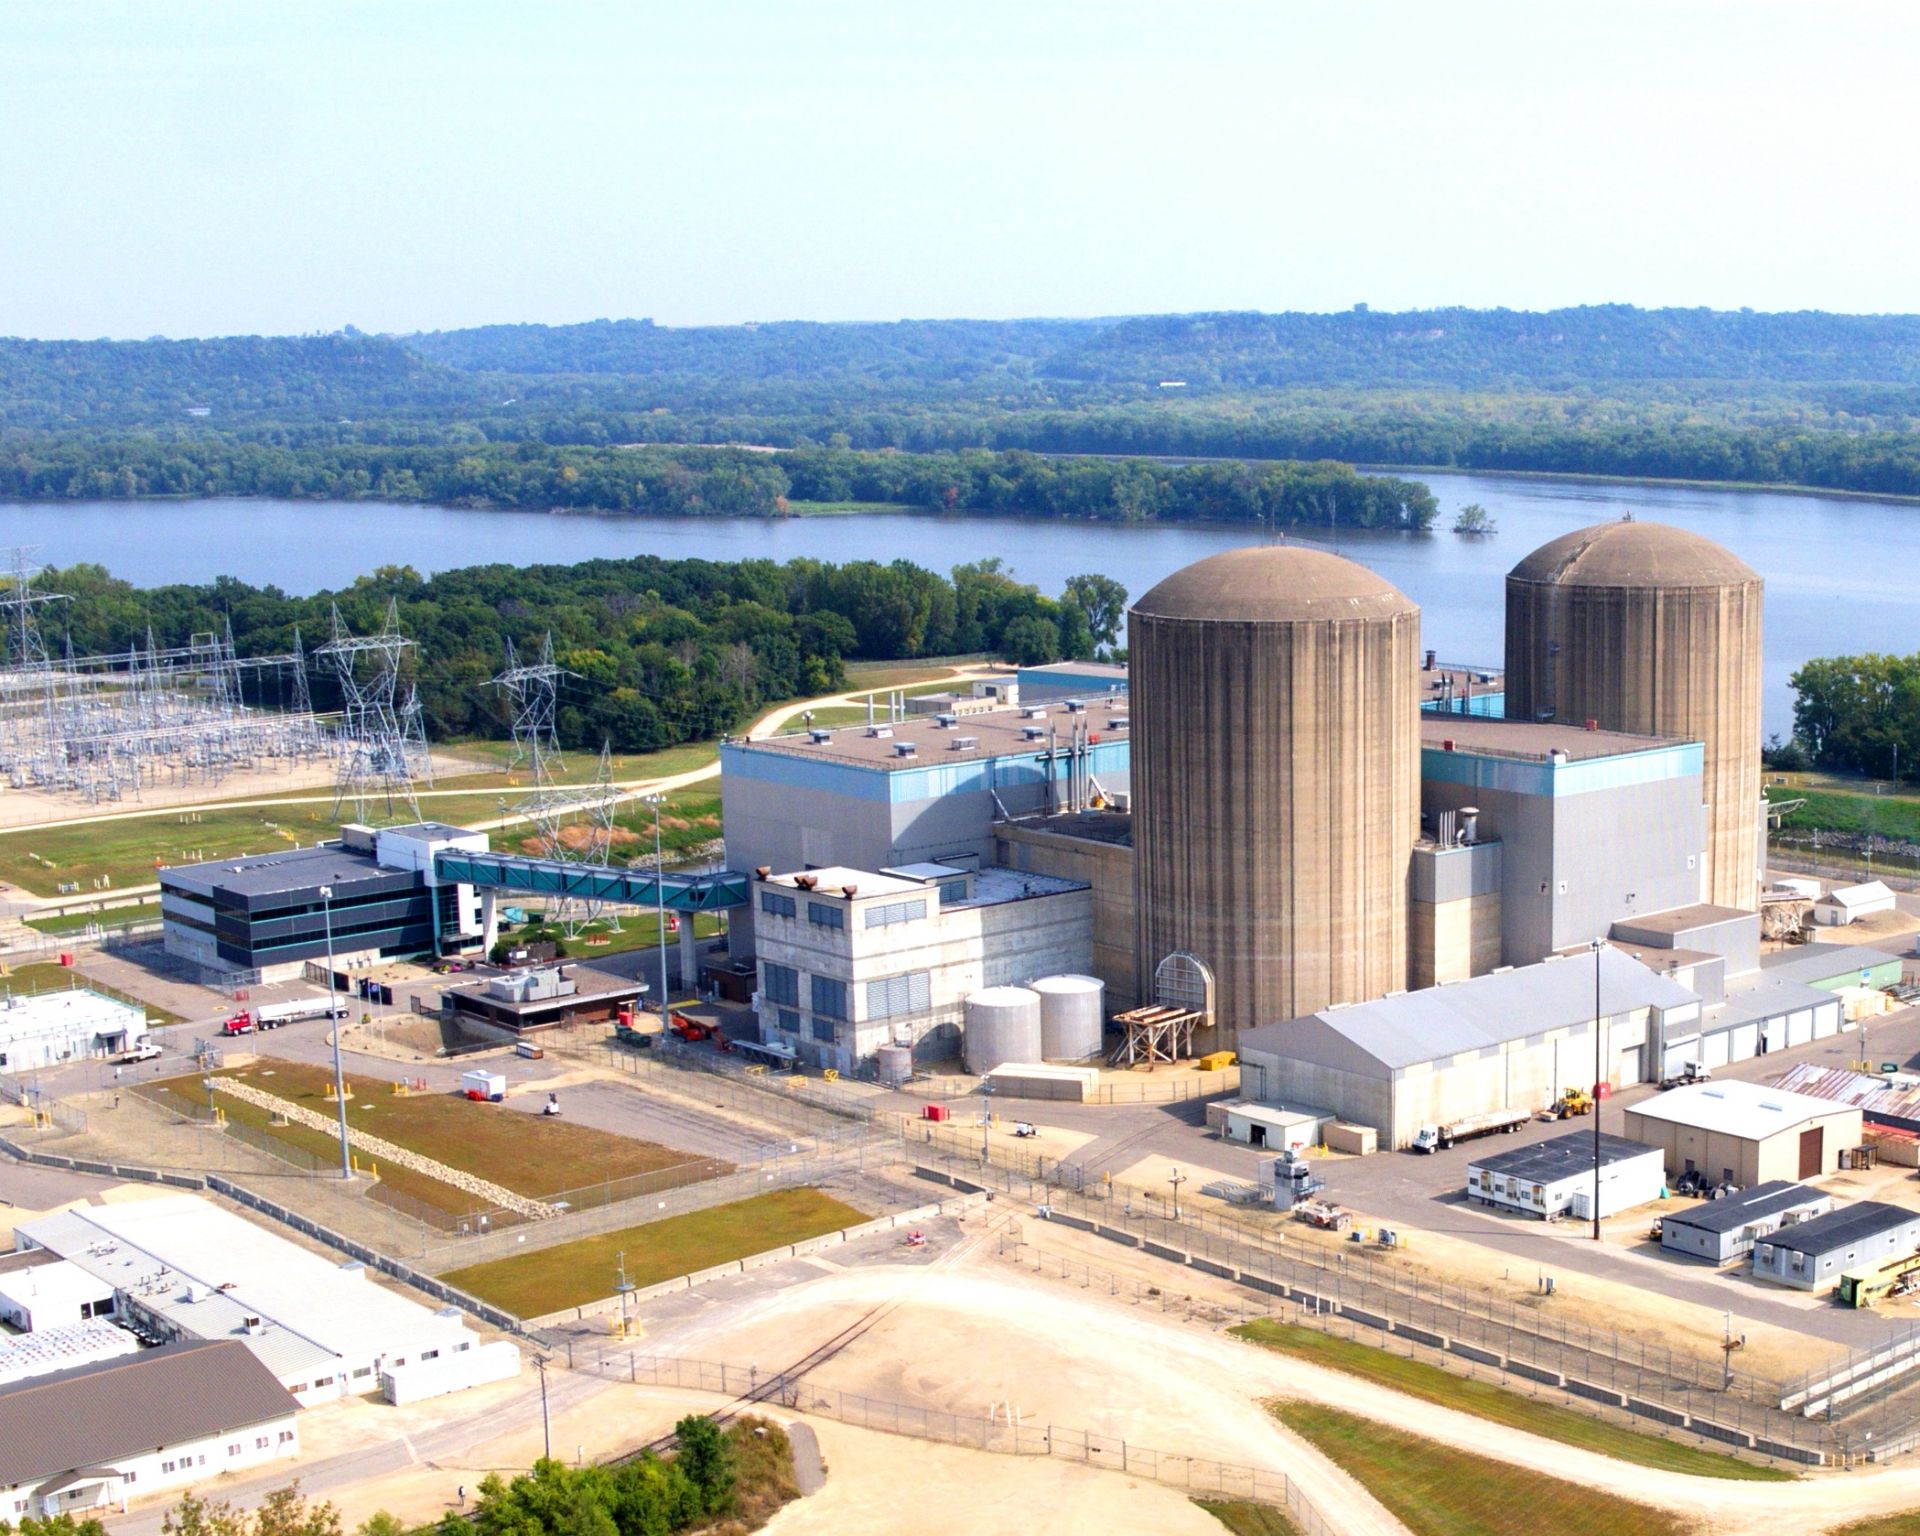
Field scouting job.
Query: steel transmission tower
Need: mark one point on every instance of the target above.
(383, 747)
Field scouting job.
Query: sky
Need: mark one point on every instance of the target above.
(280, 166)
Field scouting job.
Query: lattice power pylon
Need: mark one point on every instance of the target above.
(533, 693)
(383, 748)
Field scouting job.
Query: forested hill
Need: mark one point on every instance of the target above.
(1461, 348)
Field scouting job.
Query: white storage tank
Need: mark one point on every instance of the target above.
(895, 1064)
(1072, 1017)
(1003, 1024)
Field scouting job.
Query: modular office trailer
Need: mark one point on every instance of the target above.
(1726, 1229)
(1554, 1178)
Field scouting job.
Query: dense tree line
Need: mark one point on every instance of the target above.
(1856, 714)
(660, 651)
(723, 482)
(1811, 399)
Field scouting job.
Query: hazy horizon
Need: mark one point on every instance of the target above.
(218, 169)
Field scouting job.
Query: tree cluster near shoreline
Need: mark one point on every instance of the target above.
(718, 482)
(1856, 714)
(659, 651)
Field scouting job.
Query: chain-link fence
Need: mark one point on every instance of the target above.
(1005, 1433)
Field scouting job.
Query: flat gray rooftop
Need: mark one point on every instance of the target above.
(995, 733)
(1545, 1161)
(268, 874)
(1702, 914)
(1530, 740)
(1095, 826)
(1814, 964)
(992, 886)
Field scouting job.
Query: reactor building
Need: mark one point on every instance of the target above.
(1275, 779)
(1648, 629)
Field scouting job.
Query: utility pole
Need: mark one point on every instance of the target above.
(334, 1018)
(986, 1116)
(1598, 1078)
(624, 1287)
(660, 903)
(1176, 1179)
(546, 1427)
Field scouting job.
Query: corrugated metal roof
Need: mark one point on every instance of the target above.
(1878, 1098)
(1735, 1108)
(312, 1312)
(1736, 1210)
(1439, 1022)
(103, 1413)
(1849, 1224)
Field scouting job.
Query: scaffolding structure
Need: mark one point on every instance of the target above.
(111, 727)
(383, 754)
(572, 823)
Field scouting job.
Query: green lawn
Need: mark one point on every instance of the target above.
(79, 922)
(864, 675)
(638, 930)
(127, 853)
(1435, 1490)
(1245, 1518)
(572, 1274)
(1907, 1524)
(45, 976)
(1486, 1400)
(846, 508)
(1837, 805)
(529, 1154)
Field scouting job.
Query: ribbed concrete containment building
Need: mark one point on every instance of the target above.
(1276, 796)
(1647, 628)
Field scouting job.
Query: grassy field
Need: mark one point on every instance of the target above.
(1907, 1524)
(529, 1154)
(1435, 1490)
(846, 508)
(638, 930)
(572, 1274)
(45, 976)
(1485, 1400)
(79, 922)
(863, 675)
(1836, 804)
(1245, 1518)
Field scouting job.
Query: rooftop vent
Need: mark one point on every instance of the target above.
(806, 882)
(880, 730)
(946, 722)
(1076, 706)
(1034, 712)
(1119, 723)
(965, 743)
(1033, 732)
(816, 737)
(849, 891)
(904, 748)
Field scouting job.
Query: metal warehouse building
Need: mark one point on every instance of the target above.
(1555, 1178)
(1726, 1229)
(1512, 1040)
(1742, 1133)
(1813, 1255)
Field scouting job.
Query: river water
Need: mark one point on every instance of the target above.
(1840, 571)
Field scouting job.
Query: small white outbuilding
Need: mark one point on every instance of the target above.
(1849, 903)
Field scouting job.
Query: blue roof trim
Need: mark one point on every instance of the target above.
(1522, 776)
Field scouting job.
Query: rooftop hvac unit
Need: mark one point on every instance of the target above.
(1034, 712)
(880, 730)
(1033, 733)
(254, 1325)
(1076, 706)
(816, 737)
(1119, 723)
(965, 743)
(905, 749)
(945, 722)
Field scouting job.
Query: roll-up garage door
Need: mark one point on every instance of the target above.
(1800, 1026)
(1826, 1020)
(1714, 1048)
(1744, 1042)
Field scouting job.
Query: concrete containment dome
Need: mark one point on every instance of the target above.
(1275, 779)
(1002, 1025)
(1073, 1017)
(1647, 628)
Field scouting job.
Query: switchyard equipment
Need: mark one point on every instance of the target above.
(383, 749)
(1646, 628)
(109, 727)
(1275, 787)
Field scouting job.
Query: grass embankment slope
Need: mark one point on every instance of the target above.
(1907, 1524)
(1243, 1517)
(573, 1274)
(1485, 1400)
(1435, 1490)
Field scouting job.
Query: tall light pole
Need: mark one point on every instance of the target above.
(546, 1426)
(334, 1019)
(1598, 945)
(624, 1287)
(660, 902)
(1176, 1179)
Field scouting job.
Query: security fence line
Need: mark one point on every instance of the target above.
(1001, 1433)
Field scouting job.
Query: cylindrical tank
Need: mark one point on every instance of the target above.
(1003, 1025)
(1072, 1017)
(1647, 628)
(1276, 795)
(894, 1064)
